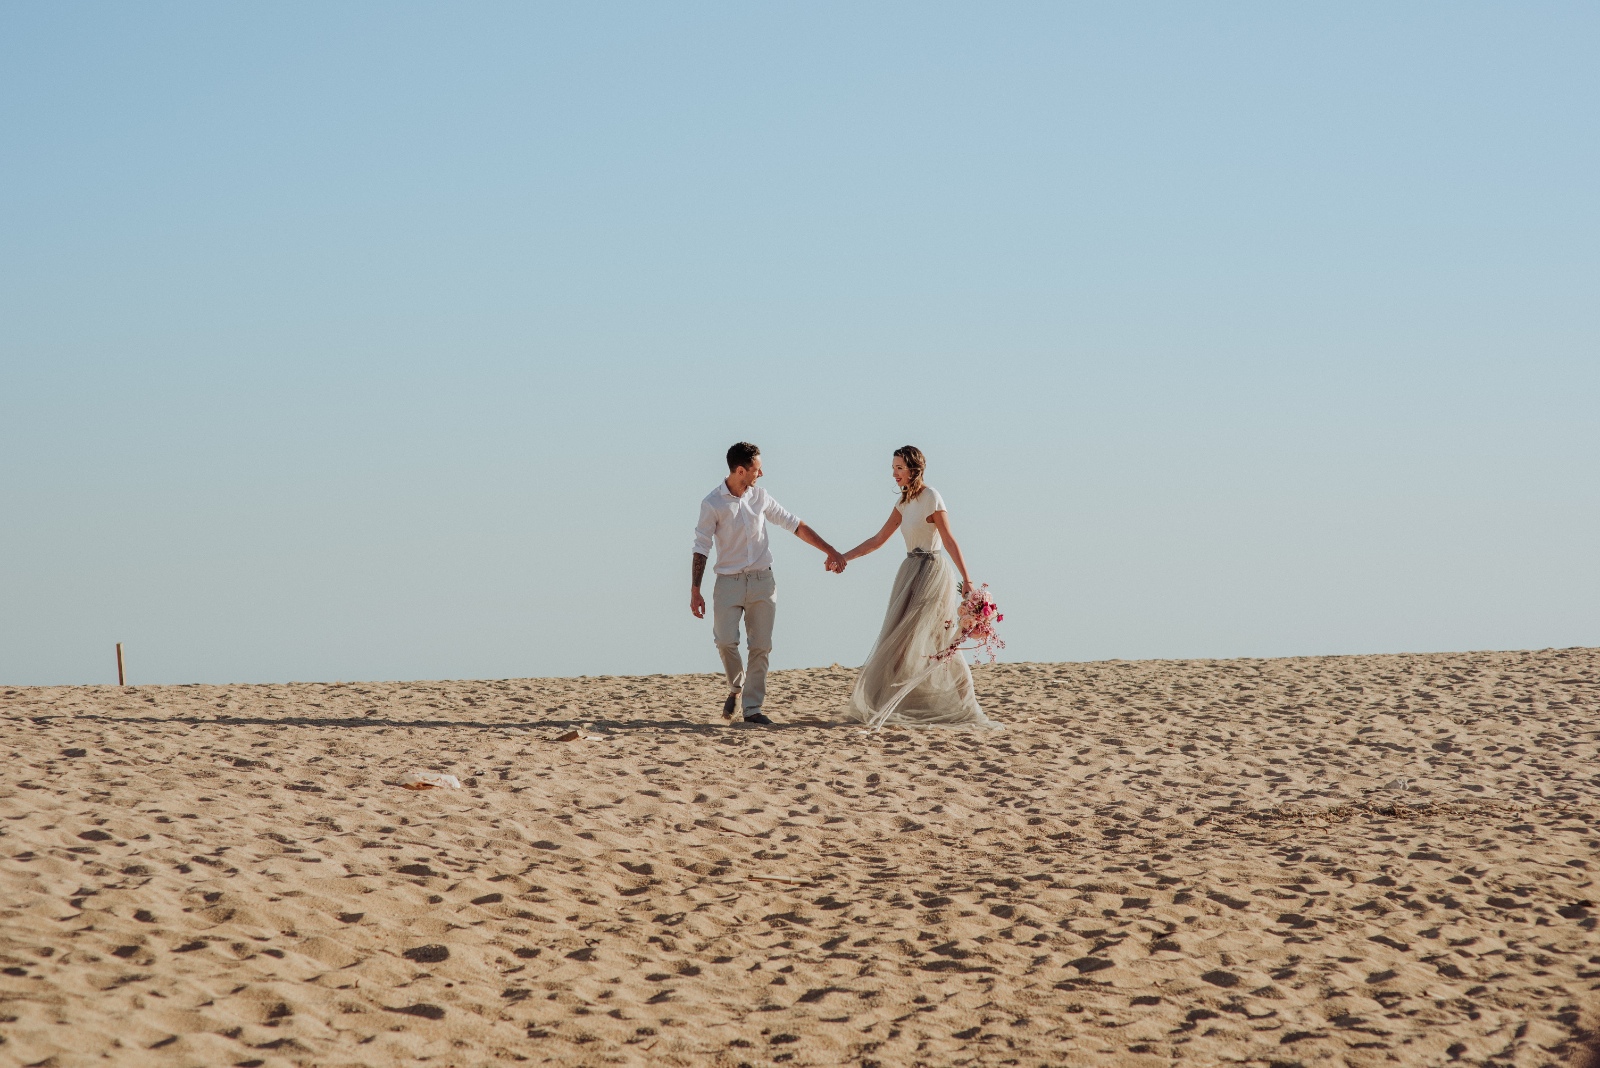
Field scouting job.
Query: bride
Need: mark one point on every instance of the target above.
(924, 598)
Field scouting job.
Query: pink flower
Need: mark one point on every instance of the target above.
(975, 621)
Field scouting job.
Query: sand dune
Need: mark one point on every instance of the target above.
(1357, 860)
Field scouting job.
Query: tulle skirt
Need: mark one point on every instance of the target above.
(923, 600)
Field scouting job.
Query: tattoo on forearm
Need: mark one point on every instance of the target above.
(699, 568)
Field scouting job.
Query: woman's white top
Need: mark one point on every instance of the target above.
(919, 533)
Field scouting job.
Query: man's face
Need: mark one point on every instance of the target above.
(743, 478)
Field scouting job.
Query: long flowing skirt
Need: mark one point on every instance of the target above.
(920, 622)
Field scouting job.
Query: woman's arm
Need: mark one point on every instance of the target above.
(876, 541)
(941, 522)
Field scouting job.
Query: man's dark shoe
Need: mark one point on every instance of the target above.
(731, 705)
(757, 717)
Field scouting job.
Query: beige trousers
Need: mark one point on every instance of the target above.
(752, 595)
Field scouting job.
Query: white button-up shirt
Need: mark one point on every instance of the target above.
(739, 527)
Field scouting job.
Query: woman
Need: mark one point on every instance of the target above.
(900, 683)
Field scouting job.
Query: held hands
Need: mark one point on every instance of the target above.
(835, 562)
(697, 603)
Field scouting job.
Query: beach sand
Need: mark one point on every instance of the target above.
(1324, 860)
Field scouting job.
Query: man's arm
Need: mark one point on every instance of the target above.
(835, 561)
(704, 530)
(777, 513)
(697, 601)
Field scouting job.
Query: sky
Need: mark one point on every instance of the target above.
(400, 341)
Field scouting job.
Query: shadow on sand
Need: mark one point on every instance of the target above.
(599, 725)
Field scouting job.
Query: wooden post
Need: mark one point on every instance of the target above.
(121, 678)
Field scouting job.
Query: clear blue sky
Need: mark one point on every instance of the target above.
(363, 341)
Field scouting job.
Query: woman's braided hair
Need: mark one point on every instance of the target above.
(916, 463)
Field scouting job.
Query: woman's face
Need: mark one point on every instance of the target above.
(902, 473)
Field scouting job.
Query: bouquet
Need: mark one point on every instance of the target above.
(974, 622)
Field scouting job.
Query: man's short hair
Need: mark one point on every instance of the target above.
(742, 454)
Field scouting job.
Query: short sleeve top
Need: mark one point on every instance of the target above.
(914, 525)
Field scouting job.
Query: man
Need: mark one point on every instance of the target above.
(735, 516)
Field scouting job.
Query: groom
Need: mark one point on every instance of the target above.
(735, 516)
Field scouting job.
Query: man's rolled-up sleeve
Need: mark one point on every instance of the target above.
(780, 516)
(704, 529)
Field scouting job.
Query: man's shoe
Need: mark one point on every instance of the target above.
(731, 705)
(757, 717)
